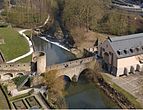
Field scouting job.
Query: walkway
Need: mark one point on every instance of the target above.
(30, 46)
(132, 84)
(46, 21)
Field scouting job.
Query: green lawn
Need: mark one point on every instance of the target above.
(15, 45)
(25, 60)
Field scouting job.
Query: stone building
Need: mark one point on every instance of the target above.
(122, 55)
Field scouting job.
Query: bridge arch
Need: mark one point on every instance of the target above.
(19, 74)
(64, 77)
(87, 75)
(65, 80)
(8, 76)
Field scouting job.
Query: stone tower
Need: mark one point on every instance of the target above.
(39, 60)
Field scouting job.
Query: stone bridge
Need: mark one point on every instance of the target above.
(10, 71)
(38, 65)
(71, 68)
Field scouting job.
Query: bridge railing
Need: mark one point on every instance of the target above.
(70, 63)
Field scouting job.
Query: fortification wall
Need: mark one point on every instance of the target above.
(39, 58)
(12, 70)
(15, 67)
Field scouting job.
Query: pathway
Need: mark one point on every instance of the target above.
(29, 42)
(46, 21)
(21, 32)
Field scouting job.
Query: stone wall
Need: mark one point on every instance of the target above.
(1, 58)
(15, 67)
(39, 58)
(12, 70)
(128, 65)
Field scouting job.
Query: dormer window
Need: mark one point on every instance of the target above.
(132, 50)
(137, 49)
(119, 52)
(125, 51)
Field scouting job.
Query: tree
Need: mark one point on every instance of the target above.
(55, 89)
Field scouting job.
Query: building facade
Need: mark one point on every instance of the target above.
(122, 55)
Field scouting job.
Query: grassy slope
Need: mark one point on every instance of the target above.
(14, 46)
(3, 101)
(25, 60)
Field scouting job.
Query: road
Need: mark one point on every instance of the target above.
(128, 7)
(21, 32)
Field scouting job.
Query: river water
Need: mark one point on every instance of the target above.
(81, 95)
(88, 96)
(54, 54)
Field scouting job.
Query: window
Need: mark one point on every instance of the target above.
(125, 51)
(119, 52)
(131, 50)
(137, 49)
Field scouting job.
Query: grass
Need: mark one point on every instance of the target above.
(25, 60)
(15, 45)
(19, 80)
(107, 78)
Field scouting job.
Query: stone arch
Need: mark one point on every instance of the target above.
(8, 76)
(87, 75)
(106, 61)
(125, 71)
(138, 68)
(19, 74)
(66, 80)
(106, 57)
(132, 70)
(64, 77)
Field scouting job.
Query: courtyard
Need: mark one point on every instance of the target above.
(132, 83)
(131, 86)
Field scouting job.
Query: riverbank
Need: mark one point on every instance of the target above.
(114, 82)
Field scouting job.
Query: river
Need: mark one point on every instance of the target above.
(88, 96)
(81, 95)
(54, 54)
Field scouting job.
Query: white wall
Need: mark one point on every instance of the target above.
(127, 62)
